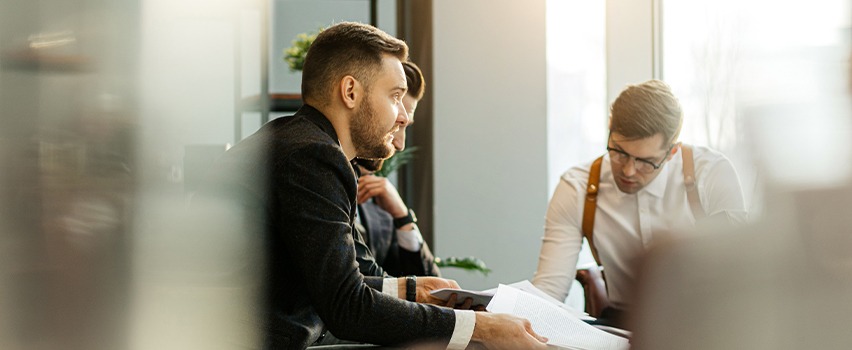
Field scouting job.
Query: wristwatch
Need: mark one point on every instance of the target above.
(411, 288)
(405, 220)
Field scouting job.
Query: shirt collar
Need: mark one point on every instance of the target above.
(657, 187)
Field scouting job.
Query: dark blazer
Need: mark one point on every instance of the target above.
(381, 238)
(297, 190)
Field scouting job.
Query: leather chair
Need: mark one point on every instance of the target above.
(594, 289)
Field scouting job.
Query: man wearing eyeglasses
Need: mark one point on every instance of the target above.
(647, 185)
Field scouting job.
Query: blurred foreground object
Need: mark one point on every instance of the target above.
(67, 118)
(783, 284)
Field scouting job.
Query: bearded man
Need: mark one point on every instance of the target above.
(295, 183)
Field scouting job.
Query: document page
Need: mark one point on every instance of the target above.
(562, 328)
(528, 287)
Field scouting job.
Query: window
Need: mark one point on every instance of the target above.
(576, 84)
(740, 69)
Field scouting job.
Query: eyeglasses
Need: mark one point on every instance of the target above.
(641, 165)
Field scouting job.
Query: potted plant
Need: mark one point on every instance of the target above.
(295, 54)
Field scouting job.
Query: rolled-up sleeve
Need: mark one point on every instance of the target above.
(562, 241)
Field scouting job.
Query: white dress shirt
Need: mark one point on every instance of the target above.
(410, 240)
(626, 224)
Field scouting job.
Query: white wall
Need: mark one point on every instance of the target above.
(490, 126)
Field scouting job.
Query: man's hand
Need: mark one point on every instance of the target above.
(427, 284)
(503, 331)
(467, 304)
(387, 197)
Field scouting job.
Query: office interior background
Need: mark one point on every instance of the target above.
(111, 109)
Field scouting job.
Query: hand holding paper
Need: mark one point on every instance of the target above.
(479, 298)
(502, 331)
(564, 329)
(427, 285)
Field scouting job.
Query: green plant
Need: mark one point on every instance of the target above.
(469, 263)
(398, 159)
(295, 55)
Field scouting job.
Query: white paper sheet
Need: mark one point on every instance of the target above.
(528, 287)
(561, 327)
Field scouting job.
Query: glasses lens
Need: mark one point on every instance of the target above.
(643, 166)
(617, 156)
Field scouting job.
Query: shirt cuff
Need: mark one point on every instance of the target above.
(463, 331)
(409, 240)
(390, 287)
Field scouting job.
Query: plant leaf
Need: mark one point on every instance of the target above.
(470, 263)
(397, 160)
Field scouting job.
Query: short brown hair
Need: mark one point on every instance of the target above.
(414, 79)
(647, 109)
(346, 48)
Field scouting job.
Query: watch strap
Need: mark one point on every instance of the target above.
(405, 220)
(411, 288)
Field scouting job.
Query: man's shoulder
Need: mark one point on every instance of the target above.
(579, 172)
(706, 158)
(297, 135)
(300, 129)
(706, 153)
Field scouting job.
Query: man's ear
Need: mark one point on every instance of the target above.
(674, 150)
(350, 91)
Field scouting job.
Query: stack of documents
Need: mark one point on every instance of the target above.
(563, 326)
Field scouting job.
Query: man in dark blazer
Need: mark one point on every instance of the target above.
(296, 187)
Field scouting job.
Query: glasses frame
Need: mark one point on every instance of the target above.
(637, 159)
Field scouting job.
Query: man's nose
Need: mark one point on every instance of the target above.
(629, 168)
(402, 116)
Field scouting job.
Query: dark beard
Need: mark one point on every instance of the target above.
(367, 134)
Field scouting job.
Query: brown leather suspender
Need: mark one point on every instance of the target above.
(594, 185)
(591, 205)
(689, 181)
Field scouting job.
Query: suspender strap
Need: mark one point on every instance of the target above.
(689, 182)
(591, 205)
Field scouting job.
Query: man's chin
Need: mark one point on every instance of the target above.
(628, 189)
(377, 153)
